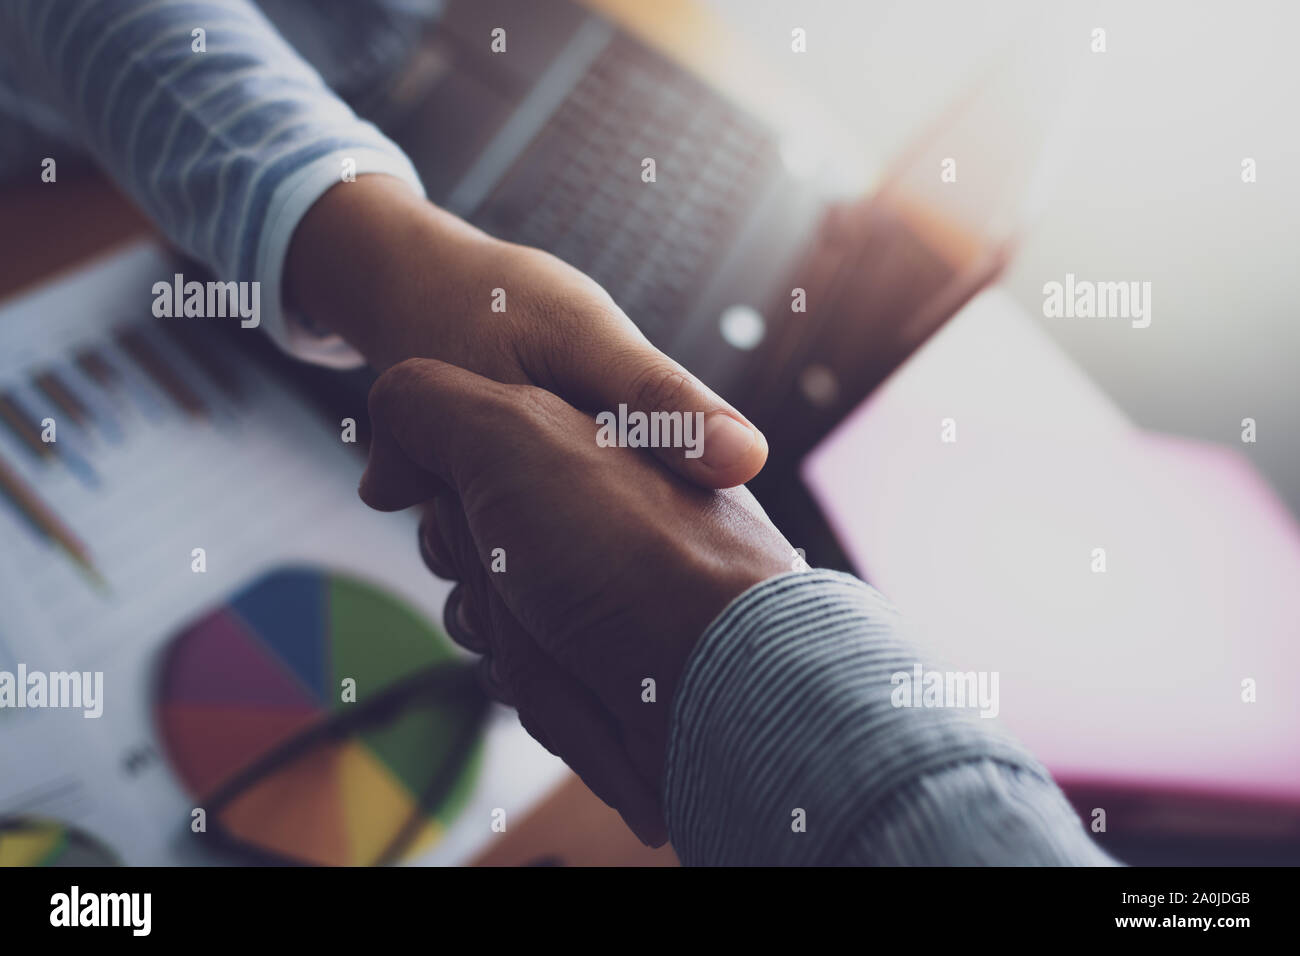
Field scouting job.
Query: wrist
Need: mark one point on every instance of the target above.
(704, 584)
(369, 260)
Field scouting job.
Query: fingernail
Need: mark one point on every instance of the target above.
(726, 441)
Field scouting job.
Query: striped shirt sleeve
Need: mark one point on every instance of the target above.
(787, 749)
(225, 148)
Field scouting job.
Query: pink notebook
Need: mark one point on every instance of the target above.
(1130, 683)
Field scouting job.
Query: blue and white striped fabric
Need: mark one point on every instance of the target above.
(785, 706)
(227, 149)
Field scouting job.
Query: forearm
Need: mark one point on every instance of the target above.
(785, 714)
(225, 147)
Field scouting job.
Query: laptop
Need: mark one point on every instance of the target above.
(790, 303)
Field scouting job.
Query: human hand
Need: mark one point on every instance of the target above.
(399, 278)
(584, 570)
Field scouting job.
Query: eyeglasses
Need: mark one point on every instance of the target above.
(431, 697)
(318, 719)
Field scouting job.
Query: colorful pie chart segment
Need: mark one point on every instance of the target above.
(29, 841)
(287, 654)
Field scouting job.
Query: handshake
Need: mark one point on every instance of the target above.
(585, 573)
(589, 555)
(594, 560)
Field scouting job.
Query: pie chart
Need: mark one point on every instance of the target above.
(298, 649)
(29, 841)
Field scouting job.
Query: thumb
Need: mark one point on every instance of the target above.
(427, 422)
(622, 368)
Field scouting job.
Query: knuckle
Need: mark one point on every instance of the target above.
(389, 388)
(548, 303)
(536, 405)
(662, 385)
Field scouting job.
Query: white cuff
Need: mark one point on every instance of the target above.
(289, 203)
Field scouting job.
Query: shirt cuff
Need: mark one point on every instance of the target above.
(785, 740)
(289, 203)
(981, 813)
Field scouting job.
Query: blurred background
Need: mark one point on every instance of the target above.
(1148, 188)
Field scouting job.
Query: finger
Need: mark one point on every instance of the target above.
(569, 721)
(491, 681)
(459, 622)
(620, 367)
(433, 550)
(564, 716)
(392, 481)
(428, 421)
(456, 539)
(467, 614)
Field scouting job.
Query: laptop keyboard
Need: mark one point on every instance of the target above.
(577, 190)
